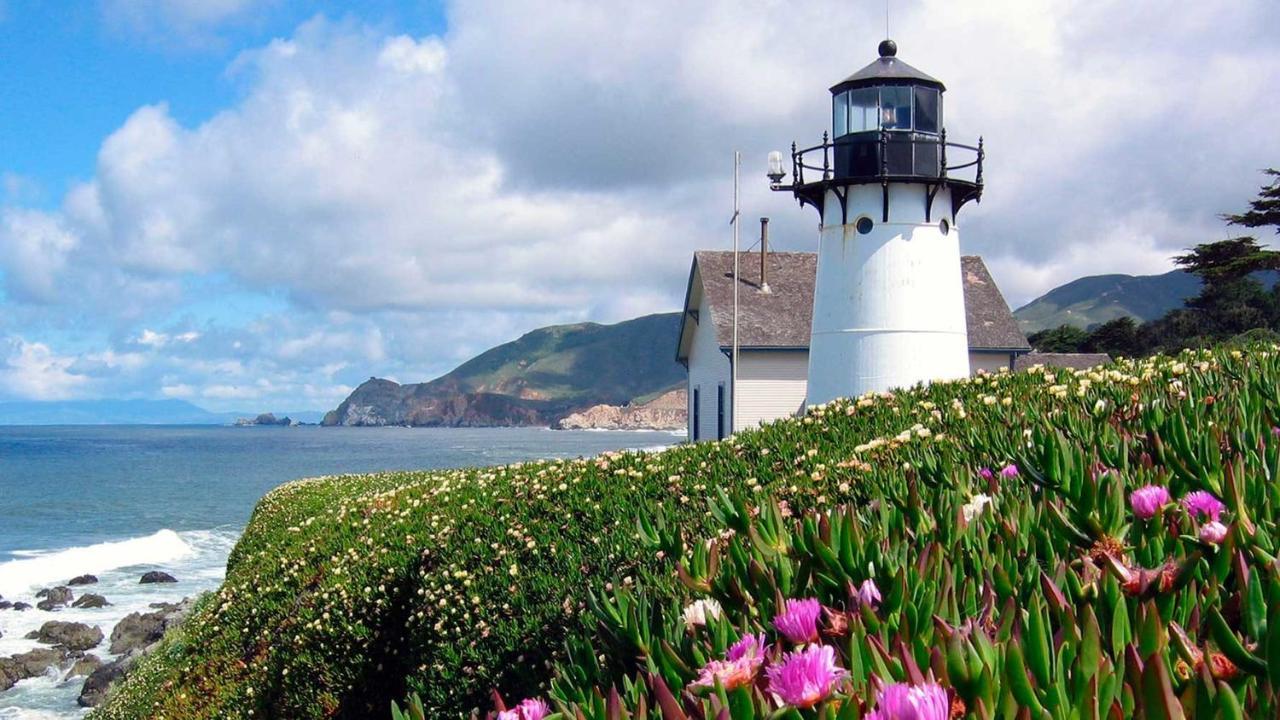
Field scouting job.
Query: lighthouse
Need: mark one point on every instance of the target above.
(888, 306)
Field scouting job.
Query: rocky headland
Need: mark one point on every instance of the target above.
(536, 380)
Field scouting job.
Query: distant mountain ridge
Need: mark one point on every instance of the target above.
(1097, 299)
(537, 379)
(119, 412)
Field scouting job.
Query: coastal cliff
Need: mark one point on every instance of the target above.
(536, 380)
(377, 402)
(668, 411)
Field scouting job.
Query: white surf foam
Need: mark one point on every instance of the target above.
(197, 558)
(39, 569)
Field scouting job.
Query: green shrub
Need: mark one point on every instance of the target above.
(346, 592)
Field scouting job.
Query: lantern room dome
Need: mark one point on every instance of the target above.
(887, 70)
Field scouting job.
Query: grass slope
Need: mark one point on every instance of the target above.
(346, 591)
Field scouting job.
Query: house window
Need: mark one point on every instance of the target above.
(697, 416)
(720, 412)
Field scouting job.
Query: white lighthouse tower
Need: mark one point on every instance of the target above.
(888, 306)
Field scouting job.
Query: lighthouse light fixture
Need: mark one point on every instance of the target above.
(776, 172)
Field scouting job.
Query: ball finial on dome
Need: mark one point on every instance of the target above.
(888, 48)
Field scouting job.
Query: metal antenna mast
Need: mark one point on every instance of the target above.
(733, 381)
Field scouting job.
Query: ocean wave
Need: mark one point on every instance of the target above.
(17, 713)
(39, 569)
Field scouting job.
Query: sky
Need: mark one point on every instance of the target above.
(258, 204)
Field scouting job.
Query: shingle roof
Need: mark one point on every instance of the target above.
(783, 317)
(1071, 361)
(991, 325)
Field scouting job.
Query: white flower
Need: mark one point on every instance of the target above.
(697, 613)
(974, 507)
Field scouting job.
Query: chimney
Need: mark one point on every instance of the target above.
(764, 254)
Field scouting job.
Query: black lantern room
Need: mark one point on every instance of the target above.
(890, 96)
(886, 126)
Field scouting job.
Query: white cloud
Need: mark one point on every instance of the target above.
(151, 338)
(416, 200)
(181, 391)
(34, 249)
(34, 372)
(185, 20)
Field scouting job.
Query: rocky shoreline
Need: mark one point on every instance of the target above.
(65, 647)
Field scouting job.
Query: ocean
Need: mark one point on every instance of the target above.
(117, 501)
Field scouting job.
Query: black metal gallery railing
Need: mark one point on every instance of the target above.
(887, 156)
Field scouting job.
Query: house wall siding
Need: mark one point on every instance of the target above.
(772, 384)
(708, 368)
(989, 361)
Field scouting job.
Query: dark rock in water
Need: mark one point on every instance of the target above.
(20, 606)
(90, 600)
(35, 662)
(82, 580)
(60, 593)
(84, 667)
(136, 631)
(156, 576)
(54, 598)
(8, 674)
(5, 604)
(73, 636)
(132, 638)
(102, 678)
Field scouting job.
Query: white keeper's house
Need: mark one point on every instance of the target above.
(774, 326)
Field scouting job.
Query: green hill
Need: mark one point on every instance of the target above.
(534, 380)
(1099, 298)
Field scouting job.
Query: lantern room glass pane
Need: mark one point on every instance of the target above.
(926, 109)
(864, 106)
(895, 108)
(840, 114)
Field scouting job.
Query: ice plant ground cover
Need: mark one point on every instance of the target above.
(537, 580)
(1123, 565)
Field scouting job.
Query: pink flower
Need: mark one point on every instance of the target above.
(1147, 500)
(1203, 504)
(986, 474)
(799, 621)
(1009, 471)
(533, 709)
(748, 647)
(528, 709)
(739, 668)
(1213, 532)
(868, 593)
(901, 701)
(805, 677)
